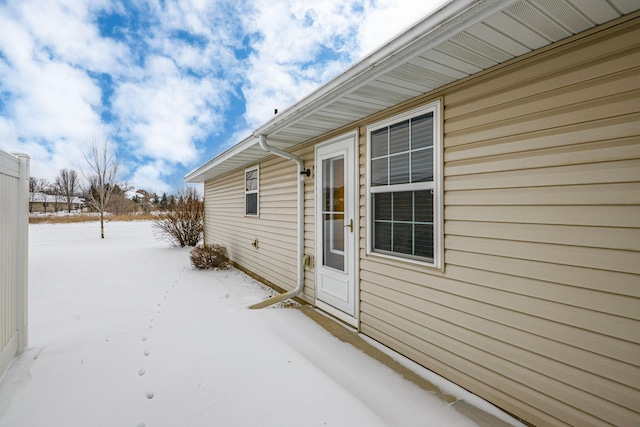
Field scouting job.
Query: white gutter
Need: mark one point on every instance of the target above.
(302, 172)
(448, 20)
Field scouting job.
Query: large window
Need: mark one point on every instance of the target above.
(404, 186)
(251, 191)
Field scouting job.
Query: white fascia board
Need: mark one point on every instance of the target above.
(447, 21)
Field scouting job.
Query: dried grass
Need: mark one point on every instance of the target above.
(68, 219)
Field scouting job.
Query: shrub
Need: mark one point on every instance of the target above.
(182, 224)
(210, 257)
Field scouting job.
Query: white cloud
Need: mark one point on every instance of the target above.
(55, 100)
(385, 19)
(53, 104)
(170, 83)
(176, 99)
(209, 26)
(166, 112)
(289, 38)
(66, 29)
(292, 36)
(47, 159)
(151, 177)
(49, 49)
(8, 130)
(15, 41)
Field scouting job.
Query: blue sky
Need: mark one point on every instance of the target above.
(170, 83)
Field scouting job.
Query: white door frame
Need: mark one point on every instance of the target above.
(346, 144)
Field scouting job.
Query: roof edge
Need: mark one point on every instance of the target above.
(197, 175)
(449, 18)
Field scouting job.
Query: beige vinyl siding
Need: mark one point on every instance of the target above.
(538, 307)
(307, 153)
(275, 228)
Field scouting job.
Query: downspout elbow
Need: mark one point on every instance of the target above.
(263, 143)
(281, 153)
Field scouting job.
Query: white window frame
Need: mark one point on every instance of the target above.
(435, 186)
(256, 191)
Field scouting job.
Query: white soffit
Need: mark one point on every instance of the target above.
(462, 38)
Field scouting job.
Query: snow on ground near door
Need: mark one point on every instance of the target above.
(123, 332)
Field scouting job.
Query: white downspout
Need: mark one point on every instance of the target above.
(302, 172)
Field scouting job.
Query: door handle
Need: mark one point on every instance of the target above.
(350, 225)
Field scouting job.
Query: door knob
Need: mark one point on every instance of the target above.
(350, 225)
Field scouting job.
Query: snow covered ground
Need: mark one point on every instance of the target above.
(123, 332)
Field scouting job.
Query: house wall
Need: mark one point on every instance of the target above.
(275, 228)
(52, 207)
(14, 216)
(537, 309)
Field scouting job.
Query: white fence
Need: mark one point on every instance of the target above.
(14, 230)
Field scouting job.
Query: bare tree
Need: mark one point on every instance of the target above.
(34, 184)
(182, 223)
(101, 179)
(37, 187)
(67, 185)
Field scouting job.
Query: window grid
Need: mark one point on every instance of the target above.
(251, 191)
(408, 152)
(413, 222)
(403, 180)
(394, 221)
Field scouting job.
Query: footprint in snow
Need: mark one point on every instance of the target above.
(144, 338)
(147, 352)
(141, 372)
(149, 395)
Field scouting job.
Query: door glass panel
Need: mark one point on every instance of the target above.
(333, 225)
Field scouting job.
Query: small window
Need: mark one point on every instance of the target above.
(404, 186)
(251, 190)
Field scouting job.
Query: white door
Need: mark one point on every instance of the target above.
(336, 227)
